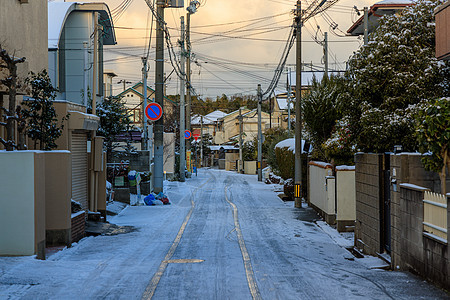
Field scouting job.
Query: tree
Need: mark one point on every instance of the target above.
(114, 119)
(12, 113)
(433, 136)
(387, 78)
(320, 111)
(42, 121)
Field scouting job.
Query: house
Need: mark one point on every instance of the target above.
(21, 40)
(442, 14)
(379, 9)
(227, 130)
(71, 31)
(23, 196)
(108, 77)
(134, 97)
(208, 121)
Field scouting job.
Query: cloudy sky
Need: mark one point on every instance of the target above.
(237, 44)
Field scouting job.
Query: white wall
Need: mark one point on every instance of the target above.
(17, 201)
(319, 191)
(346, 195)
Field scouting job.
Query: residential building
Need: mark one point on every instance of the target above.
(108, 77)
(209, 122)
(227, 130)
(71, 57)
(379, 9)
(442, 14)
(134, 97)
(23, 34)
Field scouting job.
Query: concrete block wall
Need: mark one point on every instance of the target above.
(368, 189)
(406, 168)
(78, 223)
(427, 256)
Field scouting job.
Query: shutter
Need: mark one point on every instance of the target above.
(80, 169)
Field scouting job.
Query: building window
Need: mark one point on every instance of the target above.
(135, 115)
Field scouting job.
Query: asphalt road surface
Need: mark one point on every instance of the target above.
(225, 236)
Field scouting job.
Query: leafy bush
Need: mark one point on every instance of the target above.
(285, 162)
(433, 136)
(249, 151)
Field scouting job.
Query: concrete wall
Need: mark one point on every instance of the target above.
(368, 193)
(322, 190)
(22, 199)
(407, 168)
(416, 251)
(24, 31)
(250, 167)
(58, 191)
(346, 198)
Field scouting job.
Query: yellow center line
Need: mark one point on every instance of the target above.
(253, 286)
(151, 287)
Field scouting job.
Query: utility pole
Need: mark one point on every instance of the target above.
(124, 82)
(159, 97)
(144, 144)
(366, 25)
(259, 134)
(241, 162)
(95, 75)
(288, 87)
(201, 141)
(188, 76)
(270, 110)
(86, 69)
(298, 108)
(325, 53)
(182, 105)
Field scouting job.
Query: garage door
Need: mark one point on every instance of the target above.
(80, 169)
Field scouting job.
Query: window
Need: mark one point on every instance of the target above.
(135, 116)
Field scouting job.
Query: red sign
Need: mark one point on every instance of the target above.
(196, 136)
(153, 111)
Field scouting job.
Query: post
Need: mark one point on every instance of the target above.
(95, 66)
(159, 97)
(201, 141)
(288, 87)
(366, 25)
(270, 110)
(182, 106)
(241, 162)
(325, 53)
(298, 109)
(188, 77)
(144, 144)
(86, 69)
(259, 166)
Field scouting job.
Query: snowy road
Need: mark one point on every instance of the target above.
(225, 236)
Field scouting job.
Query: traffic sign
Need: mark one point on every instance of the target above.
(187, 134)
(196, 136)
(153, 111)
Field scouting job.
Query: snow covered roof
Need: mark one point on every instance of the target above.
(225, 147)
(58, 12)
(385, 7)
(209, 118)
(216, 115)
(282, 103)
(290, 144)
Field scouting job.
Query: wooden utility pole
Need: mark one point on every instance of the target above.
(366, 25)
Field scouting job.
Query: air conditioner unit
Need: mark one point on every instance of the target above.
(175, 3)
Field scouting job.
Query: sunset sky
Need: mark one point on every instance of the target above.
(248, 43)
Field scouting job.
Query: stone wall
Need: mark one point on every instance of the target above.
(368, 193)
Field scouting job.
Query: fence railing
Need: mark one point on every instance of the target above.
(435, 214)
